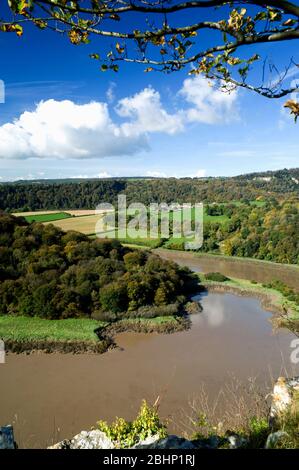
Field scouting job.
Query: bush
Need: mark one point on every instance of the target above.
(128, 433)
(105, 316)
(286, 291)
(258, 432)
(193, 307)
(218, 277)
(289, 424)
(153, 311)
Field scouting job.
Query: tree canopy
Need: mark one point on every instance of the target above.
(214, 40)
(54, 274)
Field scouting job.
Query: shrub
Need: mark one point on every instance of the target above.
(289, 424)
(128, 433)
(105, 316)
(218, 277)
(258, 432)
(153, 311)
(193, 307)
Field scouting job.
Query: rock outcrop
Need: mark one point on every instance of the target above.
(98, 440)
(94, 439)
(7, 438)
(282, 397)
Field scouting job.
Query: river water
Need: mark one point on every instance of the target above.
(51, 397)
(253, 270)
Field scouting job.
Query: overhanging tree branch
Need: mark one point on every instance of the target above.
(164, 41)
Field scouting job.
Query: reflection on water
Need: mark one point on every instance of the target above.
(55, 396)
(213, 315)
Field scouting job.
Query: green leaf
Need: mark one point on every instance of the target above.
(94, 56)
(262, 15)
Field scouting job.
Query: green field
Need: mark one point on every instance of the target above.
(148, 242)
(221, 219)
(33, 328)
(206, 218)
(47, 217)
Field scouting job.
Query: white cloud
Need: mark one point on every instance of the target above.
(110, 95)
(210, 105)
(64, 129)
(104, 174)
(156, 174)
(148, 115)
(201, 173)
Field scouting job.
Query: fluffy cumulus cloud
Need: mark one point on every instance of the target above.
(147, 114)
(209, 105)
(64, 129)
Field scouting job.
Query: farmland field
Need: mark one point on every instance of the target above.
(84, 221)
(29, 213)
(86, 224)
(71, 212)
(47, 217)
(81, 212)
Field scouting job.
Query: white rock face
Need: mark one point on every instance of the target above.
(86, 440)
(282, 396)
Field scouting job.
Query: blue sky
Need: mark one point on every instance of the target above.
(143, 123)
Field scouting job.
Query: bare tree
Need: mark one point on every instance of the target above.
(224, 49)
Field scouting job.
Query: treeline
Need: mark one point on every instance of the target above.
(49, 273)
(22, 196)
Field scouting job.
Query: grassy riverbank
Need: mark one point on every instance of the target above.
(25, 334)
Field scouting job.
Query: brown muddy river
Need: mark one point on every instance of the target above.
(51, 397)
(253, 270)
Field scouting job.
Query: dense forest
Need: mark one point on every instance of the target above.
(86, 194)
(268, 232)
(54, 274)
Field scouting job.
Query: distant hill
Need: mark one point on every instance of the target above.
(87, 193)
